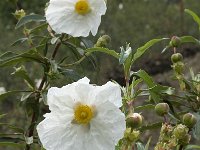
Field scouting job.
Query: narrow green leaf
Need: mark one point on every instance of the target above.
(6, 94)
(103, 50)
(144, 107)
(19, 41)
(192, 147)
(194, 15)
(12, 127)
(30, 18)
(21, 72)
(2, 115)
(16, 145)
(140, 51)
(25, 96)
(140, 146)
(148, 143)
(189, 39)
(39, 28)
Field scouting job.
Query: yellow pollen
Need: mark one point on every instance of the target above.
(83, 114)
(82, 7)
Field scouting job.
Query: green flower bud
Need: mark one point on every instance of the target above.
(162, 109)
(179, 67)
(180, 131)
(131, 135)
(176, 57)
(103, 41)
(189, 120)
(185, 140)
(175, 41)
(19, 14)
(134, 120)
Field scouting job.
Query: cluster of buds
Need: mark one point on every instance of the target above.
(177, 61)
(131, 135)
(181, 135)
(166, 140)
(19, 14)
(103, 41)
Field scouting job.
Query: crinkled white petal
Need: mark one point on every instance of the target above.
(62, 17)
(67, 96)
(105, 130)
(57, 132)
(107, 92)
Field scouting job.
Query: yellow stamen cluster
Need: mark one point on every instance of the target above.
(82, 7)
(83, 114)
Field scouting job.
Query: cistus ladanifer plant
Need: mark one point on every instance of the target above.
(85, 116)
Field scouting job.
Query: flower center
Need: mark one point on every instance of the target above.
(83, 114)
(82, 7)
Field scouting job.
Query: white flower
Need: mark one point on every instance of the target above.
(75, 17)
(83, 117)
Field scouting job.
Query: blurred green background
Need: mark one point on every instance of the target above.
(126, 21)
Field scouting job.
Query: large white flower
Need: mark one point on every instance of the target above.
(75, 17)
(83, 117)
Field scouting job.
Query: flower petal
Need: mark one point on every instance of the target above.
(66, 97)
(108, 127)
(62, 17)
(107, 92)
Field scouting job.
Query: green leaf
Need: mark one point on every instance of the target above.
(71, 74)
(39, 28)
(103, 50)
(189, 39)
(19, 41)
(16, 145)
(194, 15)
(140, 146)
(144, 107)
(25, 96)
(192, 147)
(21, 72)
(2, 115)
(196, 129)
(166, 48)
(12, 127)
(30, 18)
(9, 93)
(10, 58)
(148, 143)
(13, 142)
(140, 51)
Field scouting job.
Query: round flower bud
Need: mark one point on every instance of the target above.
(185, 140)
(175, 41)
(179, 67)
(103, 41)
(134, 120)
(189, 120)
(162, 109)
(176, 57)
(180, 131)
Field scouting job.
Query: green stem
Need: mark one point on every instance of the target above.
(34, 116)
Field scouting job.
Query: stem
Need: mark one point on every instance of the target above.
(35, 117)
